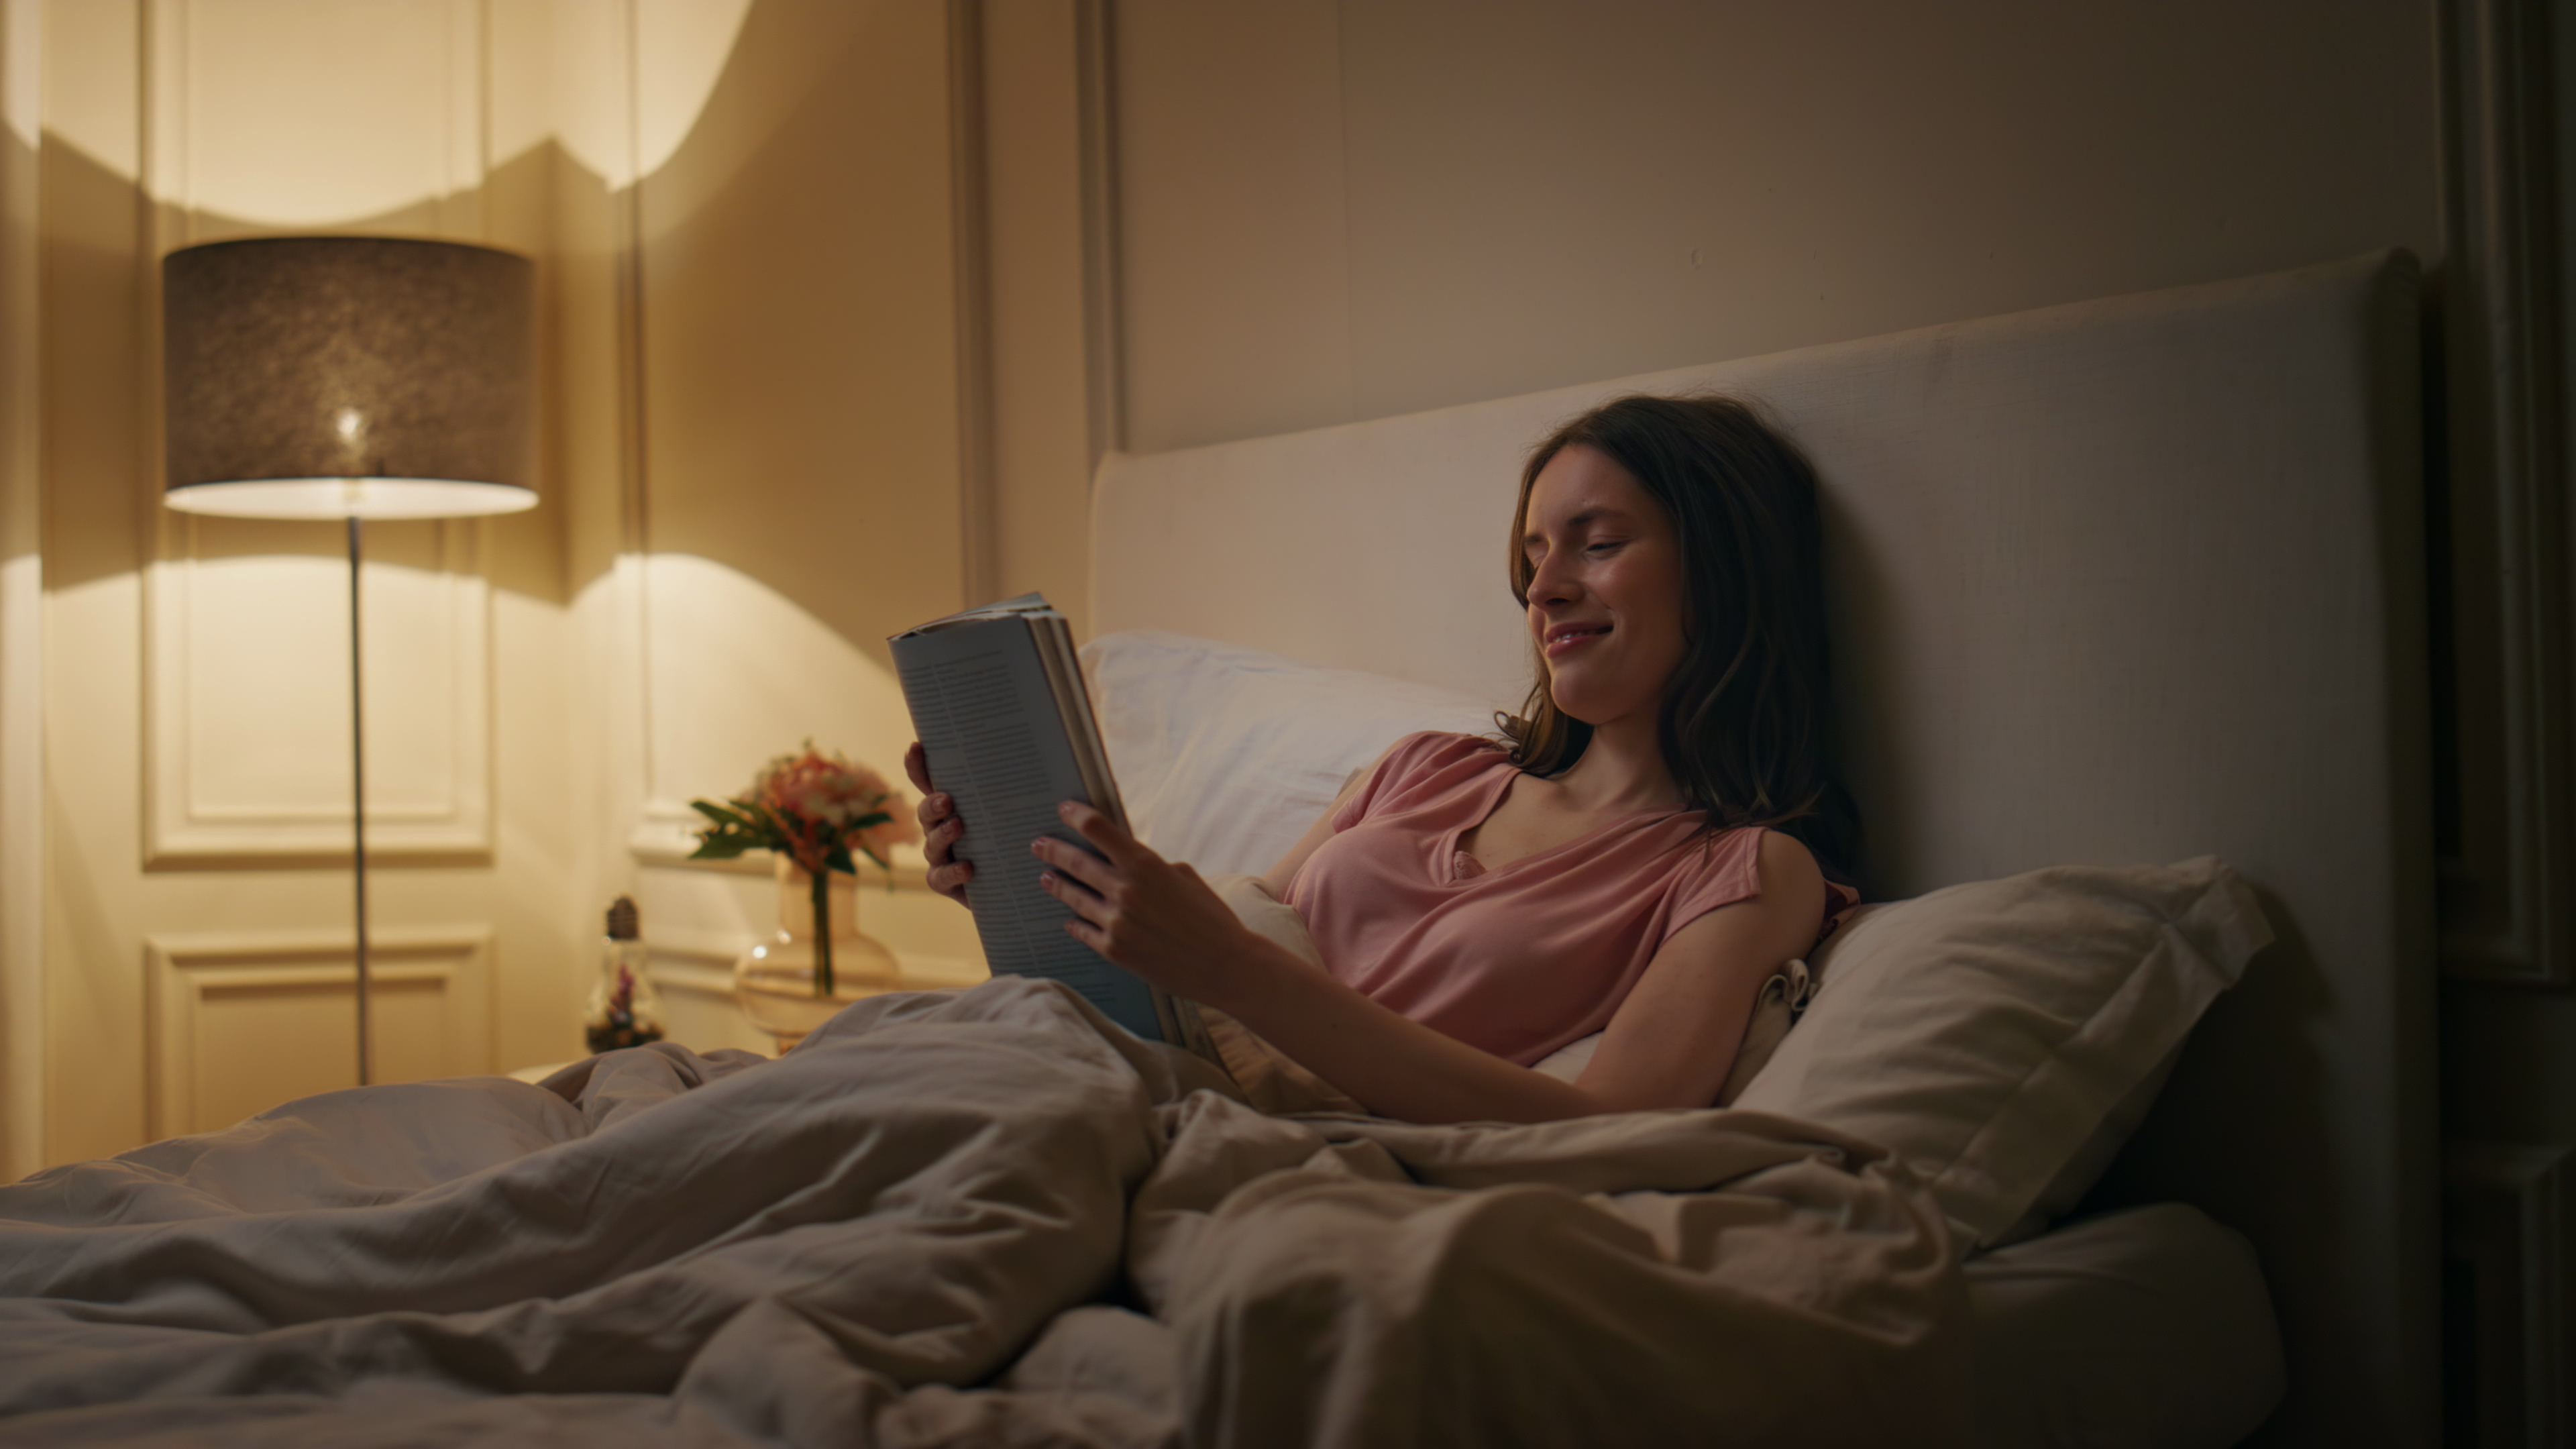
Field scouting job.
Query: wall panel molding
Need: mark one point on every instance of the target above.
(2508, 818)
(979, 539)
(694, 969)
(240, 1021)
(1104, 372)
(22, 603)
(2512, 1242)
(208, 807)
(632, 675)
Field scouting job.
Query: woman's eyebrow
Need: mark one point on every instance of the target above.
(1596, 513)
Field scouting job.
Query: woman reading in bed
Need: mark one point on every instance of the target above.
(1658, 837)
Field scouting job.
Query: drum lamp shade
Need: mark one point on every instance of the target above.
(348, 377)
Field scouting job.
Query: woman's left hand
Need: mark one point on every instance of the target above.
(1153, 916)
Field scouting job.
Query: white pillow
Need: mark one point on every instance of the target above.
(1225, 755)
(2004, 1037)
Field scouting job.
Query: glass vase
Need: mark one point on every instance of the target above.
(778, 984)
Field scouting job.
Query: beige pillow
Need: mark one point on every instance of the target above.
(2005, 1036)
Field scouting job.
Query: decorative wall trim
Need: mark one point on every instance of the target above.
(2509, 812)
(1104, 377)
(971, 267)
(463, 213)
(2509, 1217)
(631, 676)
(697, 962)
(22, 601)
(664, 833)
(701, 962)
(188, 826)
(188, 975)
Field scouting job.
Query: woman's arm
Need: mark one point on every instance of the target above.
(1669, 1046)
(1674, 1039)
(941, 826)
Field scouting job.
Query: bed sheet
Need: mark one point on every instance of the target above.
(2149, 1328)
(984, 1217)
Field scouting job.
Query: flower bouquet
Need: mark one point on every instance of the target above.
(819, 811)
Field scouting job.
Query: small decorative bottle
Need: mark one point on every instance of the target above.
(625, 1010)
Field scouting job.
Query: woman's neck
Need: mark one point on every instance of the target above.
(1621, 769)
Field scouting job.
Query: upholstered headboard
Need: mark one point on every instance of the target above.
(2117, 582)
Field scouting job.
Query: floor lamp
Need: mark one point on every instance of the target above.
(349, 378)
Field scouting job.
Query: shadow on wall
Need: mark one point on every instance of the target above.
(800, 366)
(19, 536)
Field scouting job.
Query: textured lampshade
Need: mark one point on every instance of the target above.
(338, 377)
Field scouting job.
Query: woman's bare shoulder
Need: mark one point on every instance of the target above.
(1785, 861)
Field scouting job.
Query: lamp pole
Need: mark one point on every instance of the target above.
(358, 801)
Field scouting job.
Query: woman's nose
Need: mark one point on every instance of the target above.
(1551, 582)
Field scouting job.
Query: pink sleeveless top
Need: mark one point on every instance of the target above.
(1525, 958)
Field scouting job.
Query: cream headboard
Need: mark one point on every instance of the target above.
(2123, 581)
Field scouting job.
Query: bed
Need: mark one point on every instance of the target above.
(2121, 581)
(2121, 586)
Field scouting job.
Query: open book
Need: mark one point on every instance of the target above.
(997, 700)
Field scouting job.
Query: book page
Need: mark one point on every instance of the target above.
(1073, 706)
(982, 704)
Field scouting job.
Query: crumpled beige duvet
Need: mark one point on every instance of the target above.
(984, 1218)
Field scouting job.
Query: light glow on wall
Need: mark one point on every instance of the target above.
(781, 673)
(253, 158)
(683, 47)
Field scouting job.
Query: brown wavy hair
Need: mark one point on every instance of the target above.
(1746, 722)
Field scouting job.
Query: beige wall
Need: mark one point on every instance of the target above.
(795, 475)
(800, 422)
(1333, 211)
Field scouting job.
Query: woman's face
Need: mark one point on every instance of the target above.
(1605, 593)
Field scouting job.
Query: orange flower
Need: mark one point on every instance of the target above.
(817, 808)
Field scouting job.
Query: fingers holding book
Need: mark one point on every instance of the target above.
(940, 827)
(1153, 916)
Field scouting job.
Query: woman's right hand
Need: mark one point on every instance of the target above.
(940, 828)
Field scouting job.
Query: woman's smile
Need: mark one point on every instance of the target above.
(1564, 639)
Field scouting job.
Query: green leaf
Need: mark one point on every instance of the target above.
(840, 860)
(733, 827)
